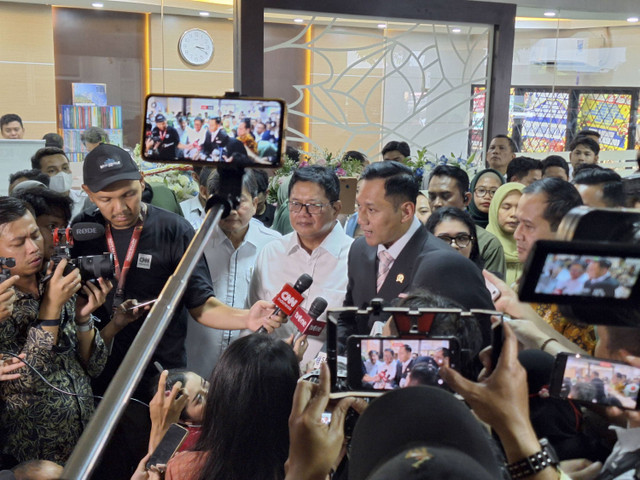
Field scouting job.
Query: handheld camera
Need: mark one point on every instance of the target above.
(91, 267)
(5, 264)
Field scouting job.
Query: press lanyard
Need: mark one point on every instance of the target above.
(121, 275)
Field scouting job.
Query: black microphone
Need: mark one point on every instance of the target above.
(288, 298)
(83, 231)
(306, 322)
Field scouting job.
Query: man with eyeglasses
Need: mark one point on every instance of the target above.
(317, 246)
(449, 187)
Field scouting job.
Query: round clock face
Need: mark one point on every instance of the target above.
(196, 47)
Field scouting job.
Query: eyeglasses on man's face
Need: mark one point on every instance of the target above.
(312, 208)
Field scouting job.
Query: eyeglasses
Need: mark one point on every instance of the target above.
(482, 192)
(462, 240)
(312, 208)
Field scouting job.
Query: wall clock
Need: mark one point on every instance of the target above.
(196, 47)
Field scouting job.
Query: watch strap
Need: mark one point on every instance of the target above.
(535, 463)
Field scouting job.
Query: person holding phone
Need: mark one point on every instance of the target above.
(148, 244)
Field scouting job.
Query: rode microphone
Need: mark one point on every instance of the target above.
(307, 323)
(80, 232)
(290, 297)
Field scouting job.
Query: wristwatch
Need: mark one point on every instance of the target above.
(85, 327)
(534, 463)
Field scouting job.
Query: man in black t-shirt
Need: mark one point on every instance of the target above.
(164, 139)
(113, 182)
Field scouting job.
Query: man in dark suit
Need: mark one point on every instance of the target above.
(600, 283)
(404, 365)
(412, 257)
(215, 139)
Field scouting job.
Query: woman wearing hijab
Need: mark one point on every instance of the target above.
(503, 224)
(483, 187)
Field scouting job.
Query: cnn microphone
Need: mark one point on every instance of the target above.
(290, 297)
(307, 323)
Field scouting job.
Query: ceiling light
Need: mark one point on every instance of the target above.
(632, 19)
(382, 25)
(204, 14)
(298, 20)
(97, 5)
(456, 30)
(550, 13)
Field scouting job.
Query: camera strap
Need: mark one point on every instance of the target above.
(121, 275)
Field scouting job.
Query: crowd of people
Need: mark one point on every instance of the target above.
(63, 336)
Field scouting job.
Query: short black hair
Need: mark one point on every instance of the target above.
(12, 209)
(203, 176)
(512, 144)
(612, 187)
(246, 121)
(454, 172)
(586, 131)
(452, 213)
(45, 152)
(248, 183)
(355, 155)
(323, 176)
(407, 347)
(8, 118)
(293, 153)
(199, 119)
(262, 179)
(465, 329)
(31, 174)
(561, 197)
(555, 161)
(520, 167)
(590, 143)
(46, 202)
(94, 135)
(400, 183)
(53, 140)
(402, 147)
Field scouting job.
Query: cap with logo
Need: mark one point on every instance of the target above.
(107, 164)
(160, 118)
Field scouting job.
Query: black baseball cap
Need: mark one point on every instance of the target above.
(160, 118)
(107, 164)
(421, 433)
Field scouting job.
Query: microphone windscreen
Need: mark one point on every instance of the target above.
(303, 283)
(83, 231)
(318, 306)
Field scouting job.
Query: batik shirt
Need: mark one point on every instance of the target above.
(36, 421)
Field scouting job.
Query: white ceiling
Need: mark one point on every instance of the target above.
(592, 10)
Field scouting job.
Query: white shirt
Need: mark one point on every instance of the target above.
(387, 371)
(193, 211)
(397, 247)
(283, 261)
(231, 270)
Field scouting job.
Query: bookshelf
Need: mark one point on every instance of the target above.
(75, 119)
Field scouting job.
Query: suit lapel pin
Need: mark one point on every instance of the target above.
(400, 278)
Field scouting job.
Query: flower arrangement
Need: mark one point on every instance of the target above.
(424, 162)
(176, 177)
(344, 167)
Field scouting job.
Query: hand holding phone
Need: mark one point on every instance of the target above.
(168, 445)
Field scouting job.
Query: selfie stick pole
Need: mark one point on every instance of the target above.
(88, 449)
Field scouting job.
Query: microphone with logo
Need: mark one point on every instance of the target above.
(307, 323)
(290, 297)
(91, 267)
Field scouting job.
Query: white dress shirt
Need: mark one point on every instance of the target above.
(193, 211)
(283, 261)
(231, 270)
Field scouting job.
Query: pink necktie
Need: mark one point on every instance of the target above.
(384, 264)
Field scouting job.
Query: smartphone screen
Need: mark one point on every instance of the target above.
(209, 130)
(379, 364)
(595, 381)
(168, 445)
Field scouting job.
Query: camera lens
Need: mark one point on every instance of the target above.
(93, 267)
